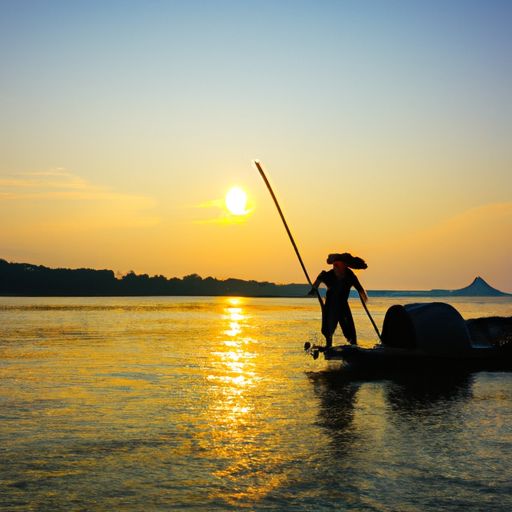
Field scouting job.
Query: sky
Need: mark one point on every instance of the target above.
(384, 127)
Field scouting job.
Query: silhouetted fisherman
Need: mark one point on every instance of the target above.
(339, 280)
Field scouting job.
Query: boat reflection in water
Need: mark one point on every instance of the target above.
(366, 422)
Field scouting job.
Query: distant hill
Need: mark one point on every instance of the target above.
(478, 288)
(38, 280)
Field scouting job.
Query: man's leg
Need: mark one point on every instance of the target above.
(347, 324)
(329, 322)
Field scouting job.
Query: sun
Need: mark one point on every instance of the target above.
(236, 201)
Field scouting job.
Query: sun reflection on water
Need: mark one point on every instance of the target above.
(234, 362)
(235, 415)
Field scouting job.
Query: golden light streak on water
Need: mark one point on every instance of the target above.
(234, 406)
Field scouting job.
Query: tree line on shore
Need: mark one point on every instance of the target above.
(28, 279)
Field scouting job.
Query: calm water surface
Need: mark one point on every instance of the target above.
(133, 404)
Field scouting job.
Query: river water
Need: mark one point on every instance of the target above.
(133, 404)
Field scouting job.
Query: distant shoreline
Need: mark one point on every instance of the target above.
(353, 295)
(29, 280)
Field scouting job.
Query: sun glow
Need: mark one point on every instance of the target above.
(236, 201)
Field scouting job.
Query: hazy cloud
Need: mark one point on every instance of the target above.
(59, 199)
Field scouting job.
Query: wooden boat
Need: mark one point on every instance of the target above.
(431, 335)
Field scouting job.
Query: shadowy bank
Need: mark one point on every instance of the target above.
(38, 280)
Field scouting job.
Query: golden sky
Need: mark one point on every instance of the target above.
(385, 132)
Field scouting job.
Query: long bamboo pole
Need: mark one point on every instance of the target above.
(371, 318)
(262, 173)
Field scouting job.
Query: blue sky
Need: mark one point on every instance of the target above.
(378, 121)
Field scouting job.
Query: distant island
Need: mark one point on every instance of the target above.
(25, 279)
(478, 288)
